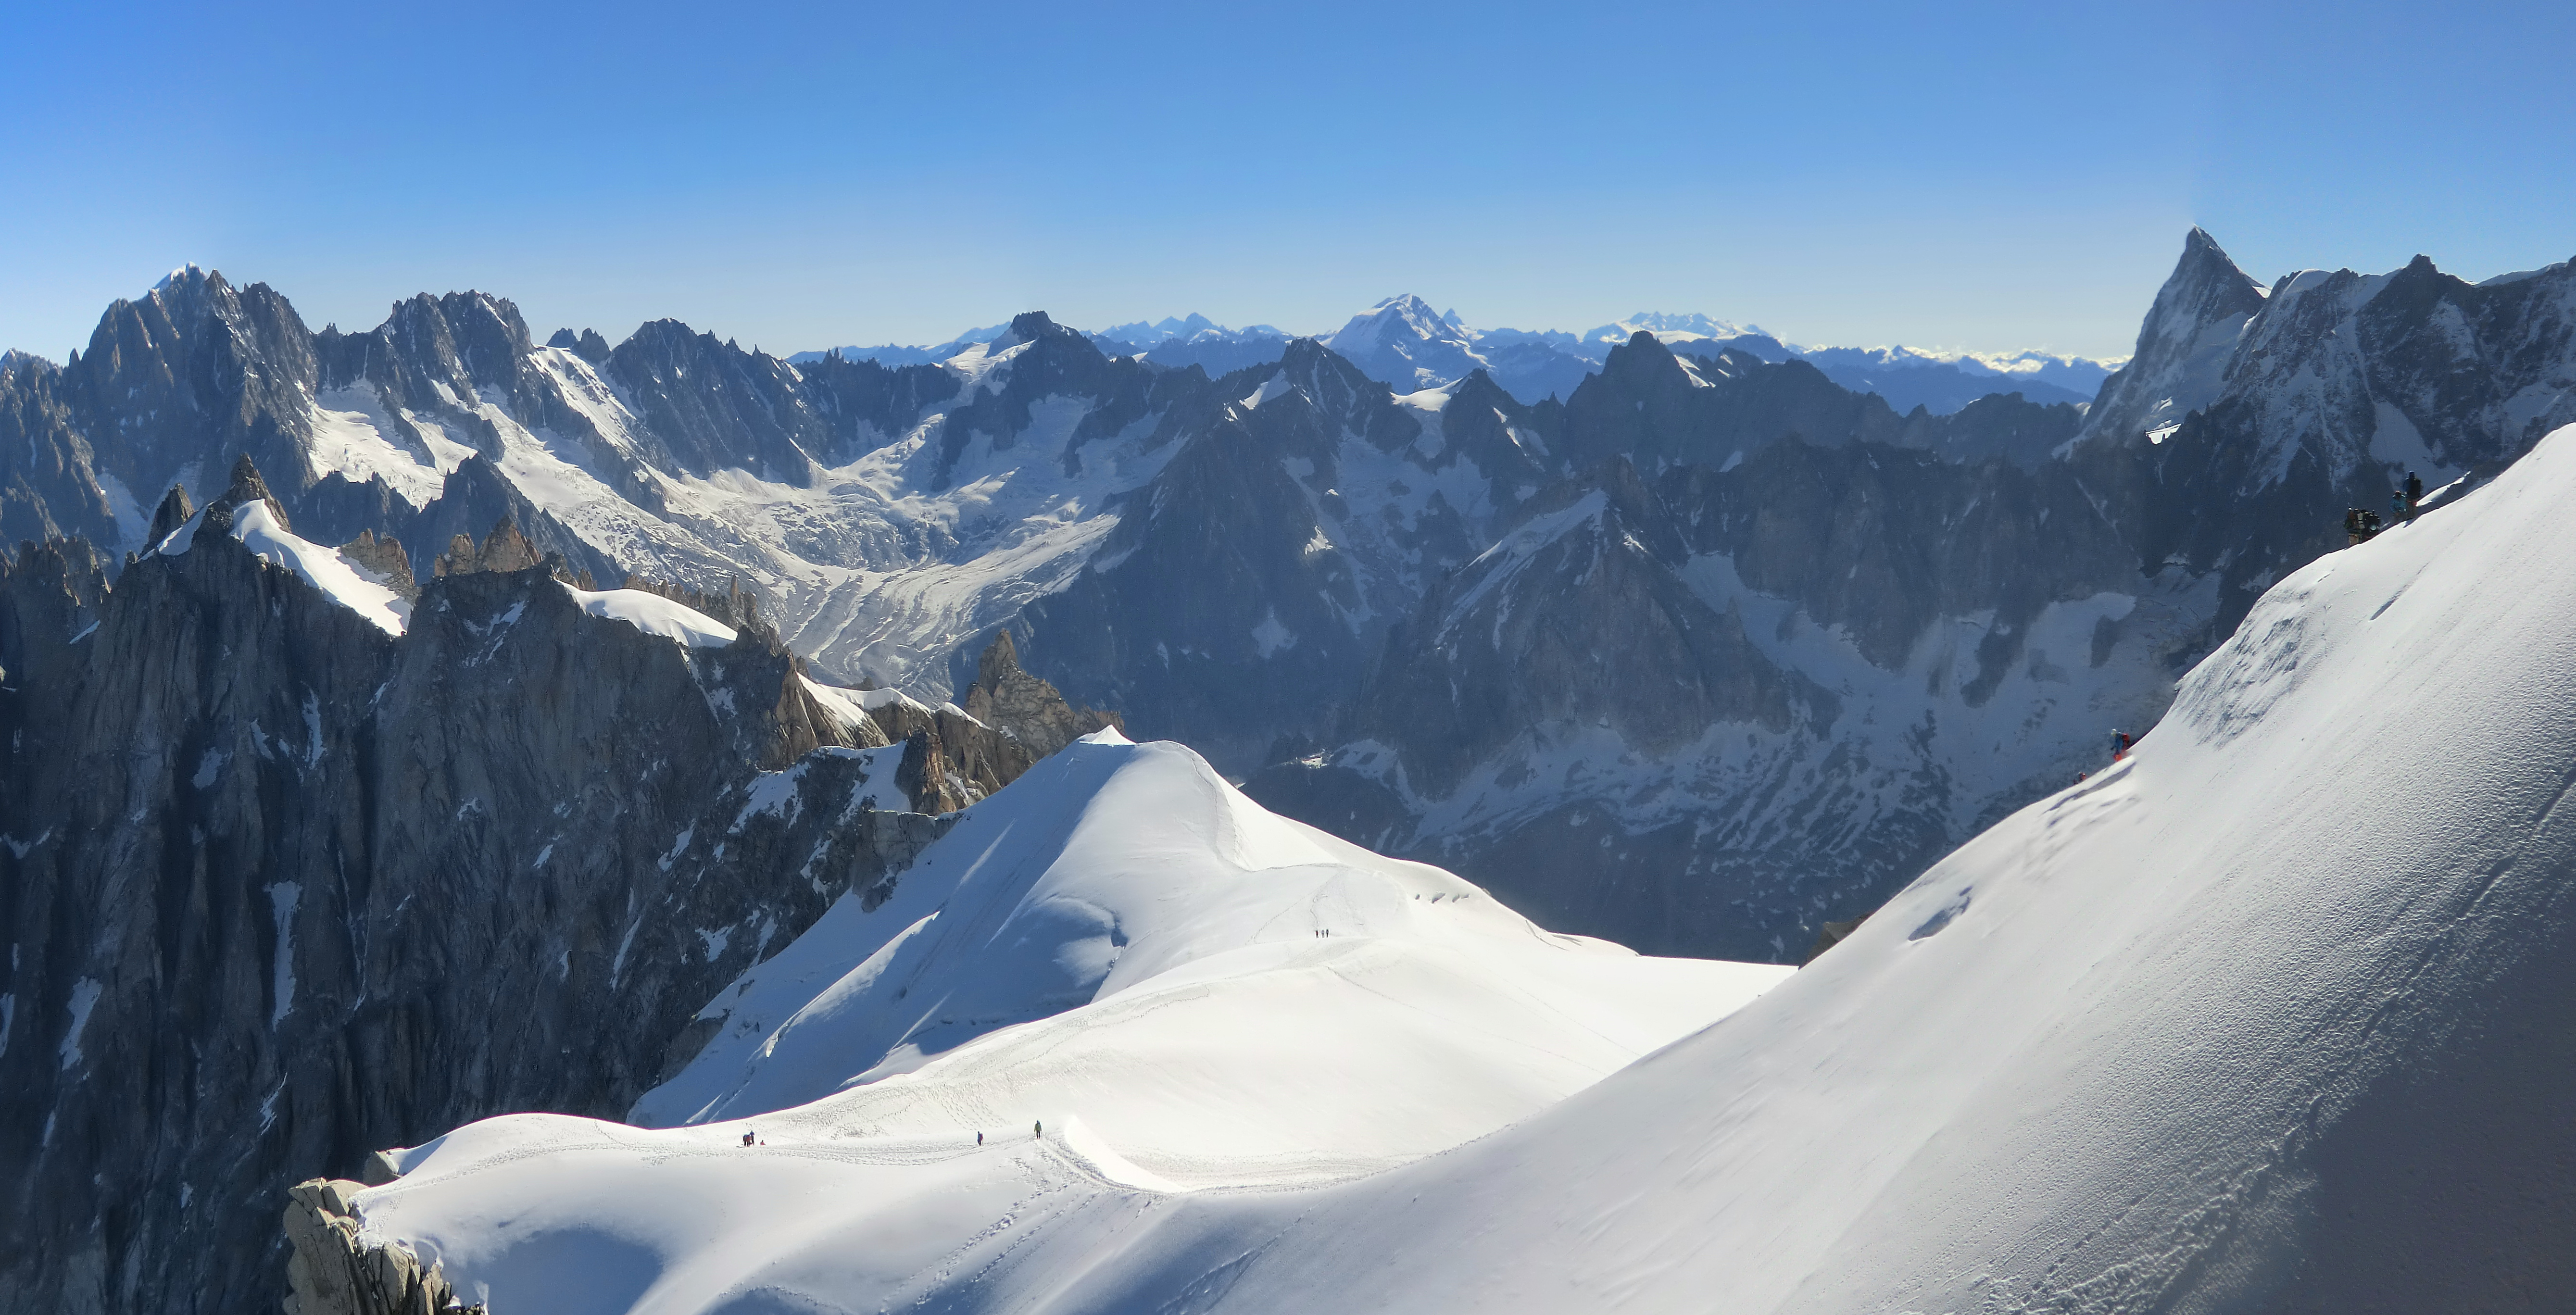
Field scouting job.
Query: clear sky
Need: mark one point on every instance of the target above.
(1978, 176)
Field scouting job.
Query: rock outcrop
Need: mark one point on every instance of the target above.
(336, 1270)
(1025, 707)
(504, 549)
(384, 561)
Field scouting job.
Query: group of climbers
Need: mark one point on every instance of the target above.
(2361, 523)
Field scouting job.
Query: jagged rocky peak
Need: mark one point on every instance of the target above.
(2180, 363)
(384, 560)
(481, 333)
(1028, 708)
(587, 345)
(504, 549)
(247, 486)
(174, 511)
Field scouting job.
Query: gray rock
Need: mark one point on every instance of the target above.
(1025, 707)
(285, 888)
(333, 1269)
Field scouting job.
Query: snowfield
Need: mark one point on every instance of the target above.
(1188, 992)
(2270, 1014)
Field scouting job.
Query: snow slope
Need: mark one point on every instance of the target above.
(1189, 992)
(342, 581)
(2270, 1013)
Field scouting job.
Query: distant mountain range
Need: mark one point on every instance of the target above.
(1403, 343)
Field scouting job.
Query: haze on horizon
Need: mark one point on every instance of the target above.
(1996, 178)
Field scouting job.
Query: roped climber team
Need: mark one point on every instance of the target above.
(2360, 524)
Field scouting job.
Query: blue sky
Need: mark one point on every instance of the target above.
(1980, 176)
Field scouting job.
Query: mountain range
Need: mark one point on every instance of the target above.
(1403, 343)
(366, 688)
(2233, 1025)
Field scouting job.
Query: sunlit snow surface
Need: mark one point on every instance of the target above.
(339, 579)
(2105, 1056)
(1191, 993)
(655, 615)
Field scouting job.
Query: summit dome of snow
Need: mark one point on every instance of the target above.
(1187, 991)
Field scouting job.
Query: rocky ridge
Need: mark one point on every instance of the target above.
(284, 886)
(1230, 555)
(1950, 623)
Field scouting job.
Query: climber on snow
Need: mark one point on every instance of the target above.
(2414, 494)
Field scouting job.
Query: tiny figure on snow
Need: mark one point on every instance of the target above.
(2396, 505)
(1038, 1129)
(2414, 494)
(746, 1136)
(2119, 745)
(979, 1139)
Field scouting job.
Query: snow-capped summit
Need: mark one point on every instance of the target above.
(2183, 348)
(1193, 328)
(1406, 343)
(1670, 329)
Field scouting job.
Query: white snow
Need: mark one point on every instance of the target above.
(1270, 636)
(282, 898)
(1272, 387)
(350, 429)
(84, 998)
(1121, 946)
(654, 615)
(323, 568)
(2086, 1062)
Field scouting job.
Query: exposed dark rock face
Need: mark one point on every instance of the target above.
(708, 406)
(1698, 715)
(1977, 600)
(1712, 408)
(384, 561)
(504, 549)
(284, 889)
(1273, 541)
(1521, 643)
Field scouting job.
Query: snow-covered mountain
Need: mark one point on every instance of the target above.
(1178, 344)
(1404, 344)
(1228, 559)
(1194, 328)
(898, 354)
(1706, 651)
(1836, 659)
(2267, 1015)
(1408, 345)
